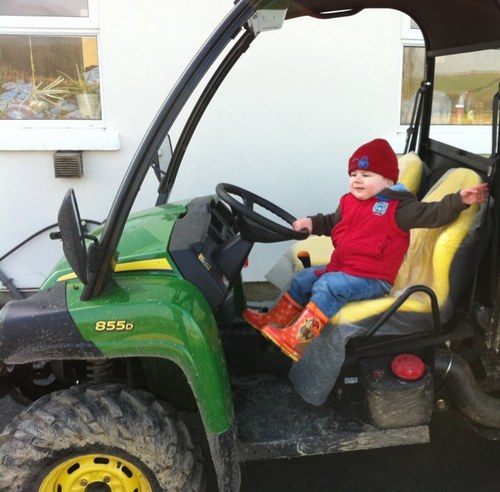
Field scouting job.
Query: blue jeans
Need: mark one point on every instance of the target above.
(332, 290)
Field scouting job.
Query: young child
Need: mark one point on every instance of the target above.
(370, 233)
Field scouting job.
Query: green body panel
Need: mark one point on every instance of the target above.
(160, 316)
(147, 233)
(146, 236)
(153, 312)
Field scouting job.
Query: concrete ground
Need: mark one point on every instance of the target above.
(456, 460)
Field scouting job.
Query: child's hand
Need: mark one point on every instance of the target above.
(305, 223)
(475, 194)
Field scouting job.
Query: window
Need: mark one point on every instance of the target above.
(49, 60)
(464, 86)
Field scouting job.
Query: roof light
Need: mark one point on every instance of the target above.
(267, 20)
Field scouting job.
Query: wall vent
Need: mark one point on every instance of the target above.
(68, 164)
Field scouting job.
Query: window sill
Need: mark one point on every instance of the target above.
(476, 139)
(58, 139)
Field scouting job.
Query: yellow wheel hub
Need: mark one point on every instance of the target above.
(95, 473)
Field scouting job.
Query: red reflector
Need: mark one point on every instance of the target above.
(408, 366)
(245, 265)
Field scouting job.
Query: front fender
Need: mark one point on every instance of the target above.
(41, 328)
(143, 316)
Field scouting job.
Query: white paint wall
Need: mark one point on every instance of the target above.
(283, 124)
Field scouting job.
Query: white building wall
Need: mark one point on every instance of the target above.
(283, 124)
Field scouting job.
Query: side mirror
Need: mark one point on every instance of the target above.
(162, 159)
(73, 236)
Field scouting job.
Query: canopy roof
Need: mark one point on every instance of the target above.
(448, 26)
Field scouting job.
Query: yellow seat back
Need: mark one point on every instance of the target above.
(432, 251)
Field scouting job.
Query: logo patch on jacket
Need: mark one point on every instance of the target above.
(380, 208)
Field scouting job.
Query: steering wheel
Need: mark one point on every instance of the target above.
(253, 226)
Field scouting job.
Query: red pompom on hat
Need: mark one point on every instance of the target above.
(376, 156)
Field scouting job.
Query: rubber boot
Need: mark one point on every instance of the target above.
(283, 313)
(293, 339)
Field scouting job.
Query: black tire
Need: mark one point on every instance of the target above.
(110, 420)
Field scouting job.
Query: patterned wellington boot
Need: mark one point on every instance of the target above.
(283, 313)
(293, 339)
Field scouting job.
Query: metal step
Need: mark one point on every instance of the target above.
(274, 422)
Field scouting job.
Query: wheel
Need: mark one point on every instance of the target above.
(255, 227)
(99, 439)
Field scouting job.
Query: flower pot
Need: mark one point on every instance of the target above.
(89, 106)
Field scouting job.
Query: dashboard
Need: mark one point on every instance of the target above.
(207, 248)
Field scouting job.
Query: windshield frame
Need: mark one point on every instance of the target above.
(103, 255)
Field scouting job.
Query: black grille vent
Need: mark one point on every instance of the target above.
(68, 164)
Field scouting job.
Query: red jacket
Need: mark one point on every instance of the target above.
(367, 240)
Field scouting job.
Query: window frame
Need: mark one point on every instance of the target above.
(410, 34)
(51, 27)
(478, 136)
(19, 22)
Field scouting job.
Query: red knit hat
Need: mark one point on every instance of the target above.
(376, 156)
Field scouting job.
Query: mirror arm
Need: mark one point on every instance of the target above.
(90, 237)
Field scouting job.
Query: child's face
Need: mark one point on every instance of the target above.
(366, 184)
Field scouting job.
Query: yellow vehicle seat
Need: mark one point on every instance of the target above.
(437, 258)
(319, 248)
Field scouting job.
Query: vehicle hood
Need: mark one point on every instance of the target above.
(143, 244)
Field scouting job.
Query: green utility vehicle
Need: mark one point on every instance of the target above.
(142, 372)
